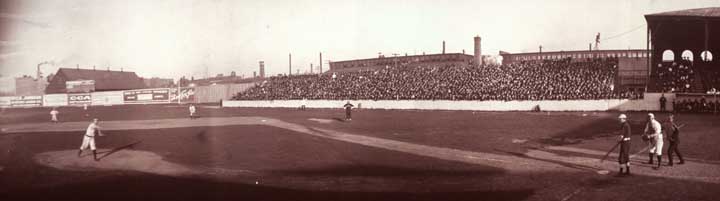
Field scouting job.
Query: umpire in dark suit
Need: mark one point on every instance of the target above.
(674, 139)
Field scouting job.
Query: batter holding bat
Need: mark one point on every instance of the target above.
(89, 138)
(624, 140)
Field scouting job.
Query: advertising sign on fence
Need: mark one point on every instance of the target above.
(79, 99)
(186, 95)
(51, 100)
(26, 101)
(107, 98)
(5, 101)
(147, 96)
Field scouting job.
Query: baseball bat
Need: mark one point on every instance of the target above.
(611, 150)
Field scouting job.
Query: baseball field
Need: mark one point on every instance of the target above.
(155, 152)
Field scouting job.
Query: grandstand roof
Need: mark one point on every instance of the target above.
(707, 13)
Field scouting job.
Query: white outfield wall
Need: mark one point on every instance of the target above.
(573, 105)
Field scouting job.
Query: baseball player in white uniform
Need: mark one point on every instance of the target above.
(89, 138)
(653, 130)
(192, 111)
(53, 115)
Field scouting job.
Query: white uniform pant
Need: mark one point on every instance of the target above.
(656, 145)
(88, 141)
(54, 118)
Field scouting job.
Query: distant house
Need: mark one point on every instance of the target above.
(29, 86)
(102, 80)
(158, 82)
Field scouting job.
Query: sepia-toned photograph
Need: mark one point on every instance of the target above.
(355, 100)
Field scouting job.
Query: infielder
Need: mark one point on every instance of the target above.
(655, 139)
(89, 138)
(624, 140)
(53, 115)
(348, 111)
(192, 111)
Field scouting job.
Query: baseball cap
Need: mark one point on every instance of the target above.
(622, 116)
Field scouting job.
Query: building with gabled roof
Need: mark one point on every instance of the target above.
(104, 80)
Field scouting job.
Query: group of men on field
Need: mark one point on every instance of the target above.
(653, 135)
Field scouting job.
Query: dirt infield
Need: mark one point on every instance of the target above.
(380, 155)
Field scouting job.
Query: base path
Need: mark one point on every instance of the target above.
(532, 161)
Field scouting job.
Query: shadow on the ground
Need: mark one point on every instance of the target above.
(151, 187)
(386, 171)
(116, 149)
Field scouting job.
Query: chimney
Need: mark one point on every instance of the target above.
(321, 62)
(77, 66)
(93, 67)
(311, 68)
(443, 47)
(289, 64)
(478, 51)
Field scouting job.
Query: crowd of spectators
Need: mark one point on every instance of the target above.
(676, 76)
(531, 80)
(697, 105)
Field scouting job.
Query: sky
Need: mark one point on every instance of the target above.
(170, 39)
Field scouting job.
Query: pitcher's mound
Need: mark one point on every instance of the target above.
(129, 160)
(133, 160)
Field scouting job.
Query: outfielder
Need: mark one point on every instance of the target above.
(655, 139)
(53, 115)
(192, 111)
(624, 140)
(89, 138)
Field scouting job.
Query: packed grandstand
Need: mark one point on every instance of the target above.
(562, 79)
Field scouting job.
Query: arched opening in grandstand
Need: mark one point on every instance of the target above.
(706, 56)
(668, 55)
(687, 55)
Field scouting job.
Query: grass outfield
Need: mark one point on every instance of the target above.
(289, 164)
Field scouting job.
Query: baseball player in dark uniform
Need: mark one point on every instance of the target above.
(348, 111)
(624, 140)
(674, 139)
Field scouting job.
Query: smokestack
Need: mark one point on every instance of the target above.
(443, 47)
(93, 67)
(321, 62)
(589, 46)
(478, 51)
(262, 69)
(311, 68)
(289, 64)
(77, 66)
(540, 49)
